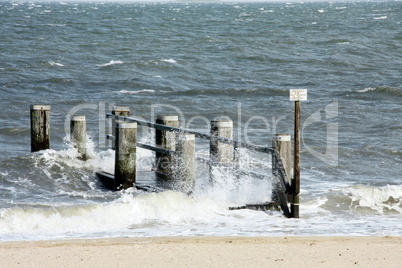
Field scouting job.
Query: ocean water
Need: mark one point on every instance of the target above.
(201, 61)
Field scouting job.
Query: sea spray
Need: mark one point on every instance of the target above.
(129, 211)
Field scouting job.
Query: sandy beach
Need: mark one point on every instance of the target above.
(206, 252)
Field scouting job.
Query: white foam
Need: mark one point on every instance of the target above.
(366, 90)
(50, 159)
(52, 63)
(112, 62)
(380, 18)
(123, 91)
(99, 213)
(169, 61)
(130, 211)
(171, 213)
(380, 199)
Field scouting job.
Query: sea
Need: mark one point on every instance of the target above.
(202, 61)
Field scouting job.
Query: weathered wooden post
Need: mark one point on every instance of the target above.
(185, 167)
(220, 153)
(40, 127)
(79, 135)
(296, 95)
(294, 208)
(167, 140)
(125, 155)
(283, 146)
(281, 166)
(121, 111)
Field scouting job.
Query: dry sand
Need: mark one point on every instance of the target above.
(206, 252)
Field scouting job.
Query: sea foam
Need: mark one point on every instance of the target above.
(169, 61)
(123, 91)
(112, 62)
(52, 63)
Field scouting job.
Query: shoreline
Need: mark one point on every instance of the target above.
(206, 251)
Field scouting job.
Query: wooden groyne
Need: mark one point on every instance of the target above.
(175, 154)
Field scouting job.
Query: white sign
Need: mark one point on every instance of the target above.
(298, 94)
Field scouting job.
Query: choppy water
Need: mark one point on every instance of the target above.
(203, 60)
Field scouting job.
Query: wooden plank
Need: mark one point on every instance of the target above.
(259, 207)
(107, 179)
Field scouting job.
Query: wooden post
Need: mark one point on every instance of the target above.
(220, 153)
(79, 135)
(282, 144)
(167, 140)
(40, 127)
(121, 111)
(294, 207)
(185, 167)
(125, 155)
(296, 95)
(281, 167)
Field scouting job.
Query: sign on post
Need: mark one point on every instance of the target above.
(298, 95)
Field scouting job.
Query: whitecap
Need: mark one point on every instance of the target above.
(112, 62)
(136, 91)
(367, 89)
(169, 61)
(245, 15)
(52, 63)
(380, 18)
(379, 199)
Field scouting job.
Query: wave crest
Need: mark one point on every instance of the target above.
(371, 199)
(395, 91)
(112, 62)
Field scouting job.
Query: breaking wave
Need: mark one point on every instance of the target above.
(395, 91)
(110, 63)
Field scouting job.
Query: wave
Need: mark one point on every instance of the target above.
(110, 63)
(169, 61)
(15, 131)
(395, 91)
(131, 210)
(136, 91)
(367, 199)
(237, 91)
(54, 194)
(53, 63)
